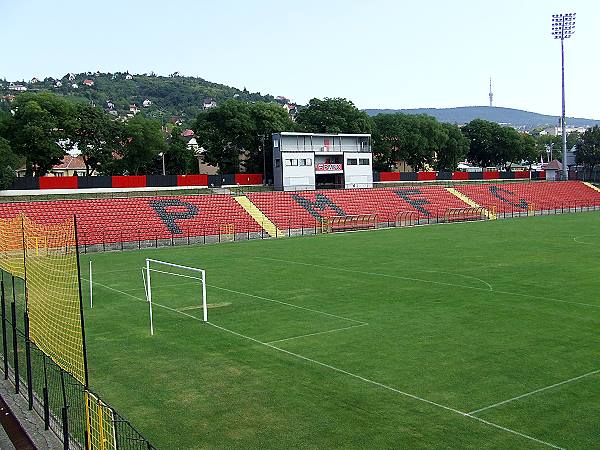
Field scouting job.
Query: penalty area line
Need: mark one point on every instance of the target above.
(317, 333)
(527, 394)
(336, 369)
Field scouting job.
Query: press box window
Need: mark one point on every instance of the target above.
(351, 162)
(294, 162)
(364, 162)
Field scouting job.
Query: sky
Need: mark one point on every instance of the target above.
(377, 53)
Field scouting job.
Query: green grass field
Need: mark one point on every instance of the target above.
(471, 335)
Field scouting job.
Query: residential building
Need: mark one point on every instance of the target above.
(128, 77)
(17, 87)
(209, 103)
(88, 82)
(319, 160)
(146, 103)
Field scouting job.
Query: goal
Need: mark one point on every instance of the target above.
(154, 275)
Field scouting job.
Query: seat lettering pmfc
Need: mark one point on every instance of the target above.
(169, 210)
(321, 203)
(408, 196)
(496, 192)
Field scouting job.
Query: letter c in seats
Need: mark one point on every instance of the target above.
(169, 216)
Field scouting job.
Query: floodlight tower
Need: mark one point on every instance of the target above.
(563, 27)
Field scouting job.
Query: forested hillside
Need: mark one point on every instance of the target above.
(168, 96)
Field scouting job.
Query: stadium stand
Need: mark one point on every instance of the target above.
(134, 219)
(122, 220)
(523, 197)
(306, 209)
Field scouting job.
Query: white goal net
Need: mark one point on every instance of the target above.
(175, 287)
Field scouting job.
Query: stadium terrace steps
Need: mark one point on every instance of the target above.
(121, 220)
(142, 218)
(596, 188)
(472, 203)
(259, 217)
(306, 209)
(538, 196)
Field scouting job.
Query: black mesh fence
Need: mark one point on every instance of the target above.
(60, 400)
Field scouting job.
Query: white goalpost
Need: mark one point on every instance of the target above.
(155, 265)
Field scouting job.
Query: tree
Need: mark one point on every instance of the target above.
(453, 150)
(96, 136)
(333, 115)
(39, 124)
(142, 141)
(179, 159)
(9, 163)
(235, 134)
(588, 148)
(225, 132)
(484, 142)
(414, 139)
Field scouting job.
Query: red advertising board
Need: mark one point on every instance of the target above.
(58, 182)
(324, 167)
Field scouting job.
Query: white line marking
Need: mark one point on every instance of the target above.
(536, 391)
(287, 304)
(350, 374)
(579, 241)
(342, 269)
(477, 288)
(317, 333)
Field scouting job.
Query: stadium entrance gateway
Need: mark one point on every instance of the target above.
(307, 161)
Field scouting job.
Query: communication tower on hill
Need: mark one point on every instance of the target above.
(491, 95)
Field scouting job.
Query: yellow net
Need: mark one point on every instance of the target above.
(100, 424)
(46, 257)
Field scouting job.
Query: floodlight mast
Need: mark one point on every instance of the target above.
(563, 27)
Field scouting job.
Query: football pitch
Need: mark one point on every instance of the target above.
(468, 335)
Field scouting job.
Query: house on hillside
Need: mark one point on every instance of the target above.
(8, 98)
(134, 109)
(128, 77)
(146, 103)
(209, 103)
(75, 86)
(70, 76)
(187, 133)
(109, 104)
(34, 80)
(291, 108)
(69, 166)
(17, 87)
(57, 84)
(88, 82)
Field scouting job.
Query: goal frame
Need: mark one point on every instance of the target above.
(148, 284)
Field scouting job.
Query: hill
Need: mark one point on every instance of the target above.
(517, 118)
(167, 96)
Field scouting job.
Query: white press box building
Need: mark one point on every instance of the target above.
(303, 161)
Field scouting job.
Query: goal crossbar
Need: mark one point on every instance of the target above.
(148, 283)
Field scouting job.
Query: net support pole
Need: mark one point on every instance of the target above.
(91, 287)
(149, 293)
(204, 306)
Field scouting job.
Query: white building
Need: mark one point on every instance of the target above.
(312, 161)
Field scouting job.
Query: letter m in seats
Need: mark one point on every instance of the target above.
(321, 203)
(171, 209)
(408, 194)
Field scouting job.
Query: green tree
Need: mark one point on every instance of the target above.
(414, 139)
(484, 142)
(588, 149)
(333, 115)
(235, 134)
(453, 150)
(179, 159)
(96, 136)
(40, 122)
(9, 163)
(141, 143)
